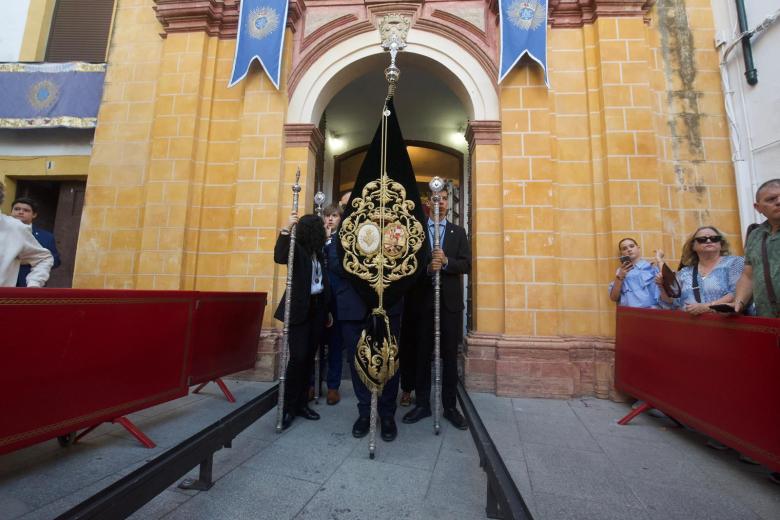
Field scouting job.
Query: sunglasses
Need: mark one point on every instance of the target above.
(714, 239)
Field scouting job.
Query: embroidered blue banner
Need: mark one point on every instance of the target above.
(45, 95)
(261, 27)
(523, 31)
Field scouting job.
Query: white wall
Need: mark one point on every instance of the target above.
(12, 22)
(755, 110)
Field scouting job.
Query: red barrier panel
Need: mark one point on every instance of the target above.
(717, 374)
(73, 358)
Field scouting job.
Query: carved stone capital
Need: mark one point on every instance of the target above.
(304, 134)
(483, 132)
(576, 13)
(215, 17)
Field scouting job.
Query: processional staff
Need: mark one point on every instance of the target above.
(319, 200)
(436, 185)
(285, 354)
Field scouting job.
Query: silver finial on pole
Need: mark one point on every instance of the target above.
(285, 354)
(393, 30)
(436, 185)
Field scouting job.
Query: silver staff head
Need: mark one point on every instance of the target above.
(319, 200)
(436, 185)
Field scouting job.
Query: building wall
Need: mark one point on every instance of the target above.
(189, 181)
(12, 29)
(755, 128)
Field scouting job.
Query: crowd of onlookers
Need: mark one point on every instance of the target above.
(709, 278)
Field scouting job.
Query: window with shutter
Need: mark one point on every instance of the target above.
(79, 31)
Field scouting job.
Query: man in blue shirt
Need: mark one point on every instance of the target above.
(26, 210)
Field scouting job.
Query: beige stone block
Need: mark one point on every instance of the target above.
(579, 323)
(490, 296)
(519, 323)
(568, 60)
(546, 323)
(580, 297)
(574, 150)
(515, 120)
(646, 219)
(566, 38)
(517, 218)
(621, 143)
(542, 296)
(516, 169)
(540, 120)
(575, 197)
(489, 320)
(535, 97)
(546, 270)
(543, 218)
(538, 193)
(510, 97)
(617, 96)
(607, 28)
(537, 145)
(512, 243)
(540, 244)
(613, 50)
(541, 168)
(570, 103)
(643, 167)
(488, 270)
(515, 296)
(631, 28)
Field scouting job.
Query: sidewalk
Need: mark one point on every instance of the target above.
(571, 460)
(315, 470)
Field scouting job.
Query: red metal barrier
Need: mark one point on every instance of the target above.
(74, 358)
(717, 374)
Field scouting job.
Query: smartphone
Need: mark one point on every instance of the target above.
(722, 307)
(624, 259)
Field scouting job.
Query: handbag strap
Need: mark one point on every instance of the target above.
(695, 283)
(770, 289)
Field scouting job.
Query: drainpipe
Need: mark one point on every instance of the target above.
(747, 51)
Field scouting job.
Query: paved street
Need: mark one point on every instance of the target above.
(569, 459)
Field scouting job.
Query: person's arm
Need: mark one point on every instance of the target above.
(282, 246)
(39, 258)
(461, 262)
(744, 290)
(614, 289)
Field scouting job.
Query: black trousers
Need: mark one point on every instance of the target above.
(407, 349)
(423, 347)
(305, 337)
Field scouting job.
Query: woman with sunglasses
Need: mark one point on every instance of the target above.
(707, 275)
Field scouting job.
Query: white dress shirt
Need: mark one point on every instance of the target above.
(19, 246)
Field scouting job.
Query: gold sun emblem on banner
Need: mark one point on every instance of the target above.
(262, 22)
(43, 95)
(527, 14)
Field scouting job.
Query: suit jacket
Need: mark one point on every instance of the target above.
(458, 253)
(46, 239)
(301, 280)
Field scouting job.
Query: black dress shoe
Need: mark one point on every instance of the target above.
(287, 420)
(417, 413)
(389, 429)
(457, 420)
(361, 427)
(308, 413)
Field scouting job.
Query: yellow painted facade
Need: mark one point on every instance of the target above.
(189, 181)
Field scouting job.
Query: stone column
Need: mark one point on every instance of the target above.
(487, 269)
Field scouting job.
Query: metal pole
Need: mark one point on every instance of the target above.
(751, 74)
(285, 354)
(436, 185)
(319, 199)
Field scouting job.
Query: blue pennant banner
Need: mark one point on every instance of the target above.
(523, 31)
(261, 27)
(47, 95)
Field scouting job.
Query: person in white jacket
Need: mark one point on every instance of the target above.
(19, 246)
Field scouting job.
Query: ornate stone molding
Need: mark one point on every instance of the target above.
(483, 132)
(576, 13)
(220, 17)
(555, 366)
(305, 134)
(215, 17)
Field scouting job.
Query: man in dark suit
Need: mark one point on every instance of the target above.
(308, 310)
(26, 210)
(453, 259)
(353, 314)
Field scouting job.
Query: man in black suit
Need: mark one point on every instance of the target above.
(453, 259)
(308, 310)
(353, 314)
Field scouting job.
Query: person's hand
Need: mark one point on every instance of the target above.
(293, 220)
(658, 261)
(739, 306)
(698, 308)
(435, 265)
(329, 321)
(624, 269)
(438, 254)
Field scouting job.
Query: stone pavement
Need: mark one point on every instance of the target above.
(569, 459)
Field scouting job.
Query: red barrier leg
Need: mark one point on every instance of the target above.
(134, 431)
(627, 419)
(82, 434)
(200, 387)
(225, 390)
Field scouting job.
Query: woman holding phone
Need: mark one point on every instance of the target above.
(707, 275)
(634, 284)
